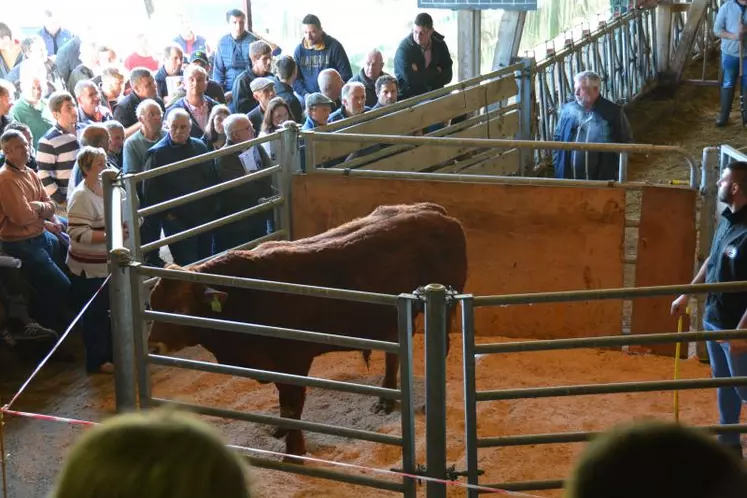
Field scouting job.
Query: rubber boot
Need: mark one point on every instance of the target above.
(727, 97)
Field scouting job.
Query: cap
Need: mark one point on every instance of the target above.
(199, 55)
(258, 84)
(317, 98)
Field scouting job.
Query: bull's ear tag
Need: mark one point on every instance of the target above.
(216, 305)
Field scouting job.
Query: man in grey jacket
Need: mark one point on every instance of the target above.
(730, 27)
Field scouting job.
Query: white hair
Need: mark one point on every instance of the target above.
(349, 87)
(590, 77)
(145, 105)
(177, 113)
(233, 121)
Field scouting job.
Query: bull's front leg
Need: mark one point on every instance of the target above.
(292, 399)
(386, 405)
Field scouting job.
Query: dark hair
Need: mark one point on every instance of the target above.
(273, 104)
(5, 31)
(138, 74)
(26, 45)
(58, 99)
(424, 20)
(739, 174)
(642, 459)
(170, 48)
(234, 13)
(382, 80)
(312, 20)
(9, 135)
(259, 48)
(18, 126)
(285, 66)
(211, 134)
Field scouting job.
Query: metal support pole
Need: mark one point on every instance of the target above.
(708, 213)
(435, 387)
(132, 219)
(470, 389)
(121, 319)
(139, 334)
(622, 175)
(290, 163)
(404, 321)
(526, 104)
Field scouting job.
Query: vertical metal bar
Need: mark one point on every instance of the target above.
(121, 323)
(290, 163)
(132, 219)
(525, 114)
(470, 401)
(404, 324)
(622, 174)
(708, 212)
(435, 387)
(139, 331)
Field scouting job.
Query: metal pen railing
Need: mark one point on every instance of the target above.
(471, 350)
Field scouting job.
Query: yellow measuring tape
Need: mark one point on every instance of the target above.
(677, 350)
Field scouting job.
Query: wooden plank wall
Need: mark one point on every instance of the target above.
(666, 256)
(415, 118)
(520, 239)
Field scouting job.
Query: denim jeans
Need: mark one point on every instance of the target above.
(192, 249)
(730, 66)
(724, 364)
(94, 324)
(43, 259)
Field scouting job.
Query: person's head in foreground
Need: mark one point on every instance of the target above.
(152, 455)
(656, 460)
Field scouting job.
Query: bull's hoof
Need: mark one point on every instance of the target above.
(293, 460)
(279, 432)
(385, 406)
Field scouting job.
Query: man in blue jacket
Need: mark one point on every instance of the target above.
(422, 62)
(176, 146)
(730, 27)
(316, 52)
(590, 118)
(232, 53)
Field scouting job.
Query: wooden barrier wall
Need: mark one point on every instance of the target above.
(525, 238)
(520, 239)
(498, 123)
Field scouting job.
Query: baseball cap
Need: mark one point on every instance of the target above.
(199, 55)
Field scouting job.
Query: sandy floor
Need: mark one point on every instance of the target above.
(91, 398)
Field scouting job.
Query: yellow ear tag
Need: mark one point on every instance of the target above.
(216, 305)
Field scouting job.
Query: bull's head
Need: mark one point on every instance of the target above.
(181, 298)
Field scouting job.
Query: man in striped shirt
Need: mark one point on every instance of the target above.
(58, 148)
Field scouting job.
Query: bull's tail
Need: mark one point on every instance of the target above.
(367, 357)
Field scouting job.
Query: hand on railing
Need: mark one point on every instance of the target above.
(679, 305)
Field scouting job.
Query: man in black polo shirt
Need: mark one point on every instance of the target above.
(143, 87)
(728, 310)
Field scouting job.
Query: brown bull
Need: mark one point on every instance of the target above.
(394, 250)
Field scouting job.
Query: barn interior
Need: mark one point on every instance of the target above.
(489, 166)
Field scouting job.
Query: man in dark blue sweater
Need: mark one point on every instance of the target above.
(177, 145)
(316, 52)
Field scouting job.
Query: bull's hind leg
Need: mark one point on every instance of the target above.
(386, 405)
(292, 399)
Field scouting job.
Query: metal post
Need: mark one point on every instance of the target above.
(470, 399)
(139, 334)
(404, 321)
(121, 321)
(289, 160)
(526, 103)
(708, 213)
(435, 387)
(622, 175)
(132, 219)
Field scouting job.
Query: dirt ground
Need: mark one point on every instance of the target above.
(36, 449)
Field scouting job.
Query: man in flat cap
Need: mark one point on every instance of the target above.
(263, 91)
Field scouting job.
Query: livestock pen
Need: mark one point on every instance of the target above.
(594, 216)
